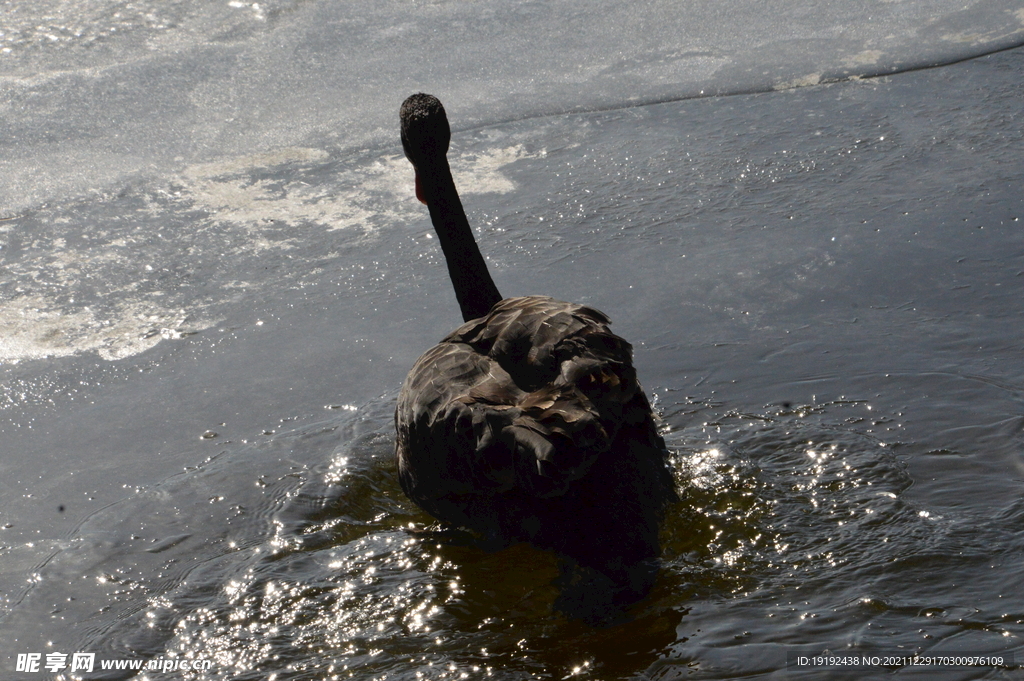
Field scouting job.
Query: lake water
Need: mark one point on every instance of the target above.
(215, 276)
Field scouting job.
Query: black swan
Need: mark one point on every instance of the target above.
(527, 423)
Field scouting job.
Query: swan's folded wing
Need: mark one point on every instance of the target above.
(527, 397)
(451, 413)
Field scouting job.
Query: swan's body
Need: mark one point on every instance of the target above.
(527, 423)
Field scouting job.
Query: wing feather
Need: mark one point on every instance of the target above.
(527, 397)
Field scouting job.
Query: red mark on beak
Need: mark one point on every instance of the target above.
(419, 190)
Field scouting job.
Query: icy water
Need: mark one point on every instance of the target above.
(204, 332)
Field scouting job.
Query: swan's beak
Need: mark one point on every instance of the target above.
(419, 189)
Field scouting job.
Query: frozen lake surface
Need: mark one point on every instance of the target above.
(215, 276)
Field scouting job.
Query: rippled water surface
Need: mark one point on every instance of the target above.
(823, 288)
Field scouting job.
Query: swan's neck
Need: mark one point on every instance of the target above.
(474, 288)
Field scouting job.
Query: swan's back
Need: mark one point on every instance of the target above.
(528, 424)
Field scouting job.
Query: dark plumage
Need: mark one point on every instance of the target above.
(527, 423)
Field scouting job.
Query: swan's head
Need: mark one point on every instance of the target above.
(425, 133)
